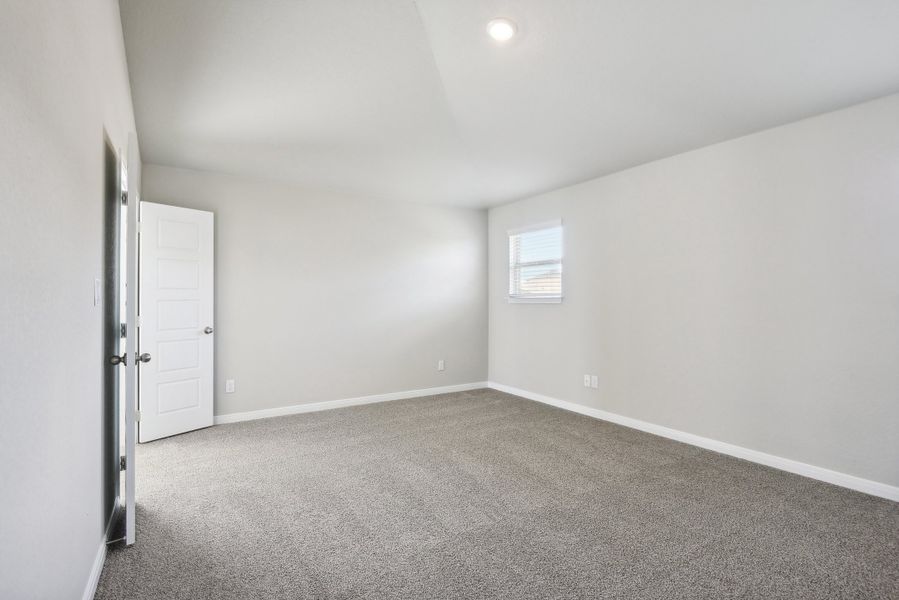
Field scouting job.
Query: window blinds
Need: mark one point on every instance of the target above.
(535, 262)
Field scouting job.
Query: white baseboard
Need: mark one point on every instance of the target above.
(91, 588)
(327, 405)
(867, 486)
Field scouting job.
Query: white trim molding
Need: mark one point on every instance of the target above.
(329, 404)
(94, 579)
(852, 482)
(535, 227)
(534, 299)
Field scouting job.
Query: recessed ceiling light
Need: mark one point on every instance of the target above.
(502, 30)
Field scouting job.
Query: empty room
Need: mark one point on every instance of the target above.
(449, 299)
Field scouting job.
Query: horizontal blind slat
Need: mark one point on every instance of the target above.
(535, 263)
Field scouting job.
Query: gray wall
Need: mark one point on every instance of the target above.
(747, 292)
(63, 81)
(322, 297)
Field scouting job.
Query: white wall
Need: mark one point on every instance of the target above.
(747, 292)
(323, 297)
(63, 81)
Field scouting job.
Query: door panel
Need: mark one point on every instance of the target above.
(174, 356)
(176, 307)
(178, 395)
(178, 235)
(178, 314)
(178, 274)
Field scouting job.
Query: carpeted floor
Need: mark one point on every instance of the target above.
(485, 495)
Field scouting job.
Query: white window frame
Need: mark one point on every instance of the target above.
(513, 299)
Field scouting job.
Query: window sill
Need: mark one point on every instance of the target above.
(518, 300)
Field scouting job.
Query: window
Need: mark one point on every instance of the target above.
(535, 263)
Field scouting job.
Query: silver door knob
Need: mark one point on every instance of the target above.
(208, 330)
(144, 358)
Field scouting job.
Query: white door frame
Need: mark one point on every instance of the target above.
(131, 278)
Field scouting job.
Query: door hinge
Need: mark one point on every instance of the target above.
(138, 320)
(123, 463)
(138, 227)
(123, 330)
(137, 416)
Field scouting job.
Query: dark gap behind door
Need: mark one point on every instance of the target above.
(111, 334)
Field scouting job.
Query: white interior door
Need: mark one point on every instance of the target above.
(176, 320)
(132, 189)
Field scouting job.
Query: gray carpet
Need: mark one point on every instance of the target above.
(485, 495)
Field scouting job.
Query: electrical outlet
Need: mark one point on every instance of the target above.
(594, 381)
(586, 381)
(229, 386)
(441, 365)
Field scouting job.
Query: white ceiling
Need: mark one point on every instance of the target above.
(411, 100)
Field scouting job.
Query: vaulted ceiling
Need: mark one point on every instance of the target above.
(411, 100)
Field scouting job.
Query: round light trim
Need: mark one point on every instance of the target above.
(501, 30)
